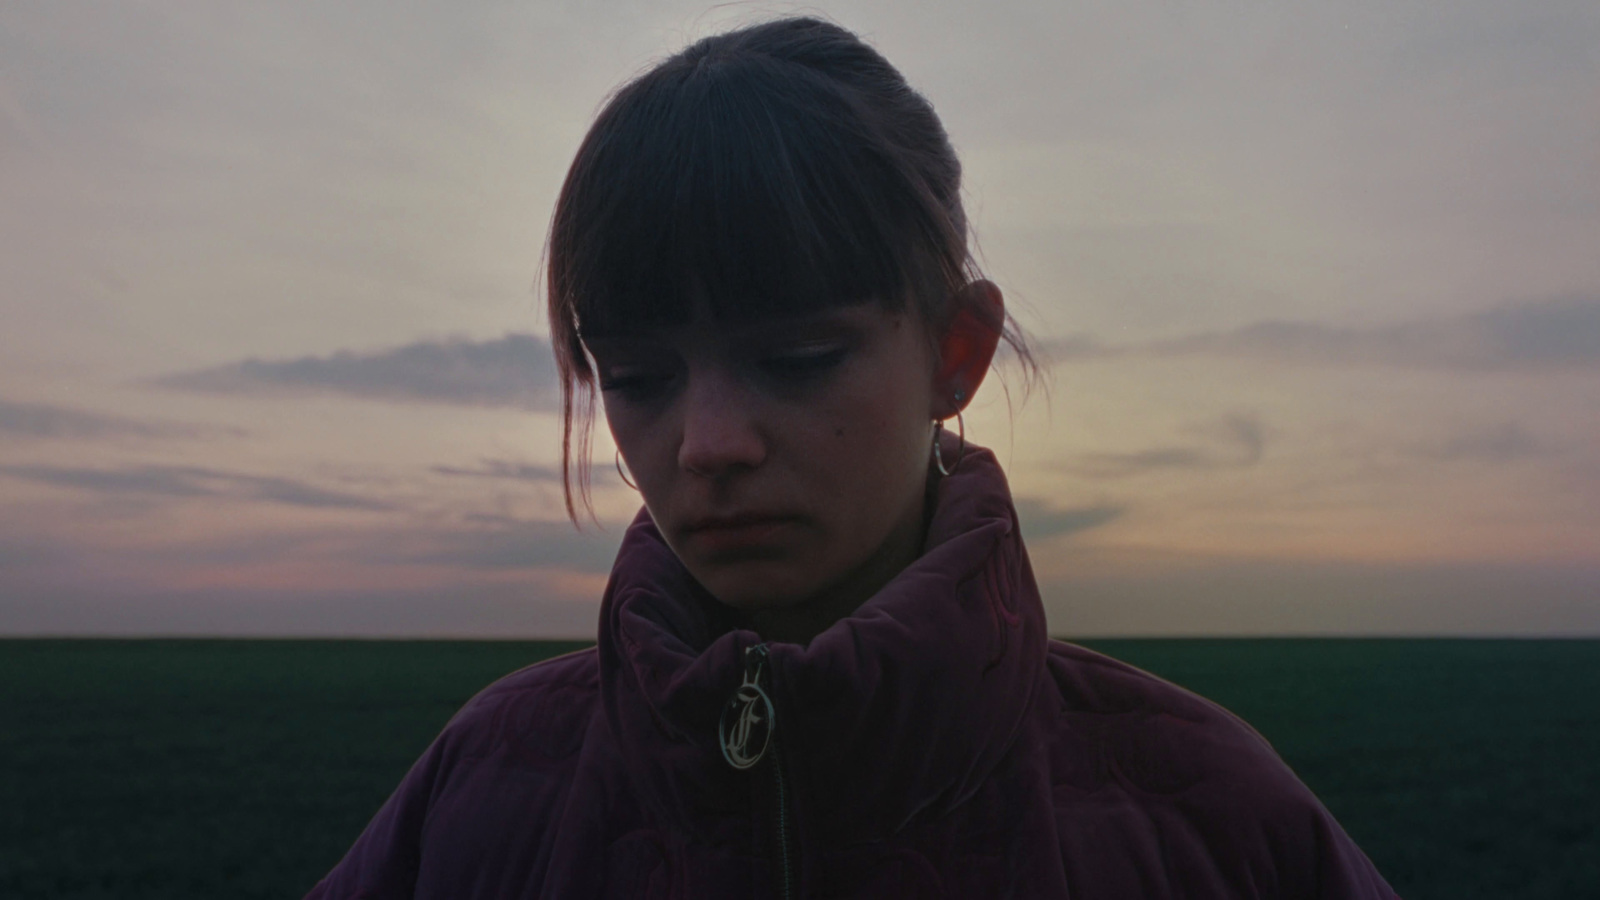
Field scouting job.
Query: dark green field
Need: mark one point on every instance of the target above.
(179, 769)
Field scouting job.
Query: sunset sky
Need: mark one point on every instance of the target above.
(1319, 284)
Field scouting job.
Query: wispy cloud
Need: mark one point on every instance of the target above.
(1041, 520)
(1502, 443)
(495, 542)
(505, 469)
(1562, 333)
(19, 553)
(37, 420)
(1234, 441)
(516, 371)
(191, 481)
(512, 470)
(1075, 346)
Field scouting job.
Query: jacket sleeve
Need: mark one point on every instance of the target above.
(385, 859)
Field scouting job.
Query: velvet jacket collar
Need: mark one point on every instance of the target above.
(896, 712)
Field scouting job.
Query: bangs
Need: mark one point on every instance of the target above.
(743, 183)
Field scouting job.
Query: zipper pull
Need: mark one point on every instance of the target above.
(748, 719)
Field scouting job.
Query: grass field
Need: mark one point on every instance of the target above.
(244, 769)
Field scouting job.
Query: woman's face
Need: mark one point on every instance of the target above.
(783, 460)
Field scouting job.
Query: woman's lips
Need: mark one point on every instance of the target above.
(728, 534)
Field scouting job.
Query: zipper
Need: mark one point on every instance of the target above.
(749, 733)
(787, 849)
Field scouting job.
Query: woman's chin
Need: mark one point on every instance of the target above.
(753, 587)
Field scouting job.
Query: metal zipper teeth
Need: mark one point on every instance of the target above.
(786, 849)
(785, 835)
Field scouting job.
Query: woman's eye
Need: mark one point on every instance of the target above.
(634, 382)
(801, 363)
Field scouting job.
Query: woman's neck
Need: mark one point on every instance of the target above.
(800, 622)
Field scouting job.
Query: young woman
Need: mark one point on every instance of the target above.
(823, 668)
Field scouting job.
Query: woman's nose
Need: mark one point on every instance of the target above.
(720, 433)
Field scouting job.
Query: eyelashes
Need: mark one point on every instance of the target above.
(799, 367)
(634, 384)
(804, 364)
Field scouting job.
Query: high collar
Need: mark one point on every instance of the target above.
(897, 711)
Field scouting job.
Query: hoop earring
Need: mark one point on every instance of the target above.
(621, 474)
(938, 429)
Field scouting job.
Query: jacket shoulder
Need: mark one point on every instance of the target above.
(1122, 725)
(498, 768)
(1135, 754)
(1151, 736)
(544, 707)
(1093, 685)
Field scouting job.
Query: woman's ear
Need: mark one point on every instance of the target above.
(966, 346)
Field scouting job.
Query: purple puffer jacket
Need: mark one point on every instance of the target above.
(934, 744)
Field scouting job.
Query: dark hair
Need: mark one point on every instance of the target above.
(778, 168)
